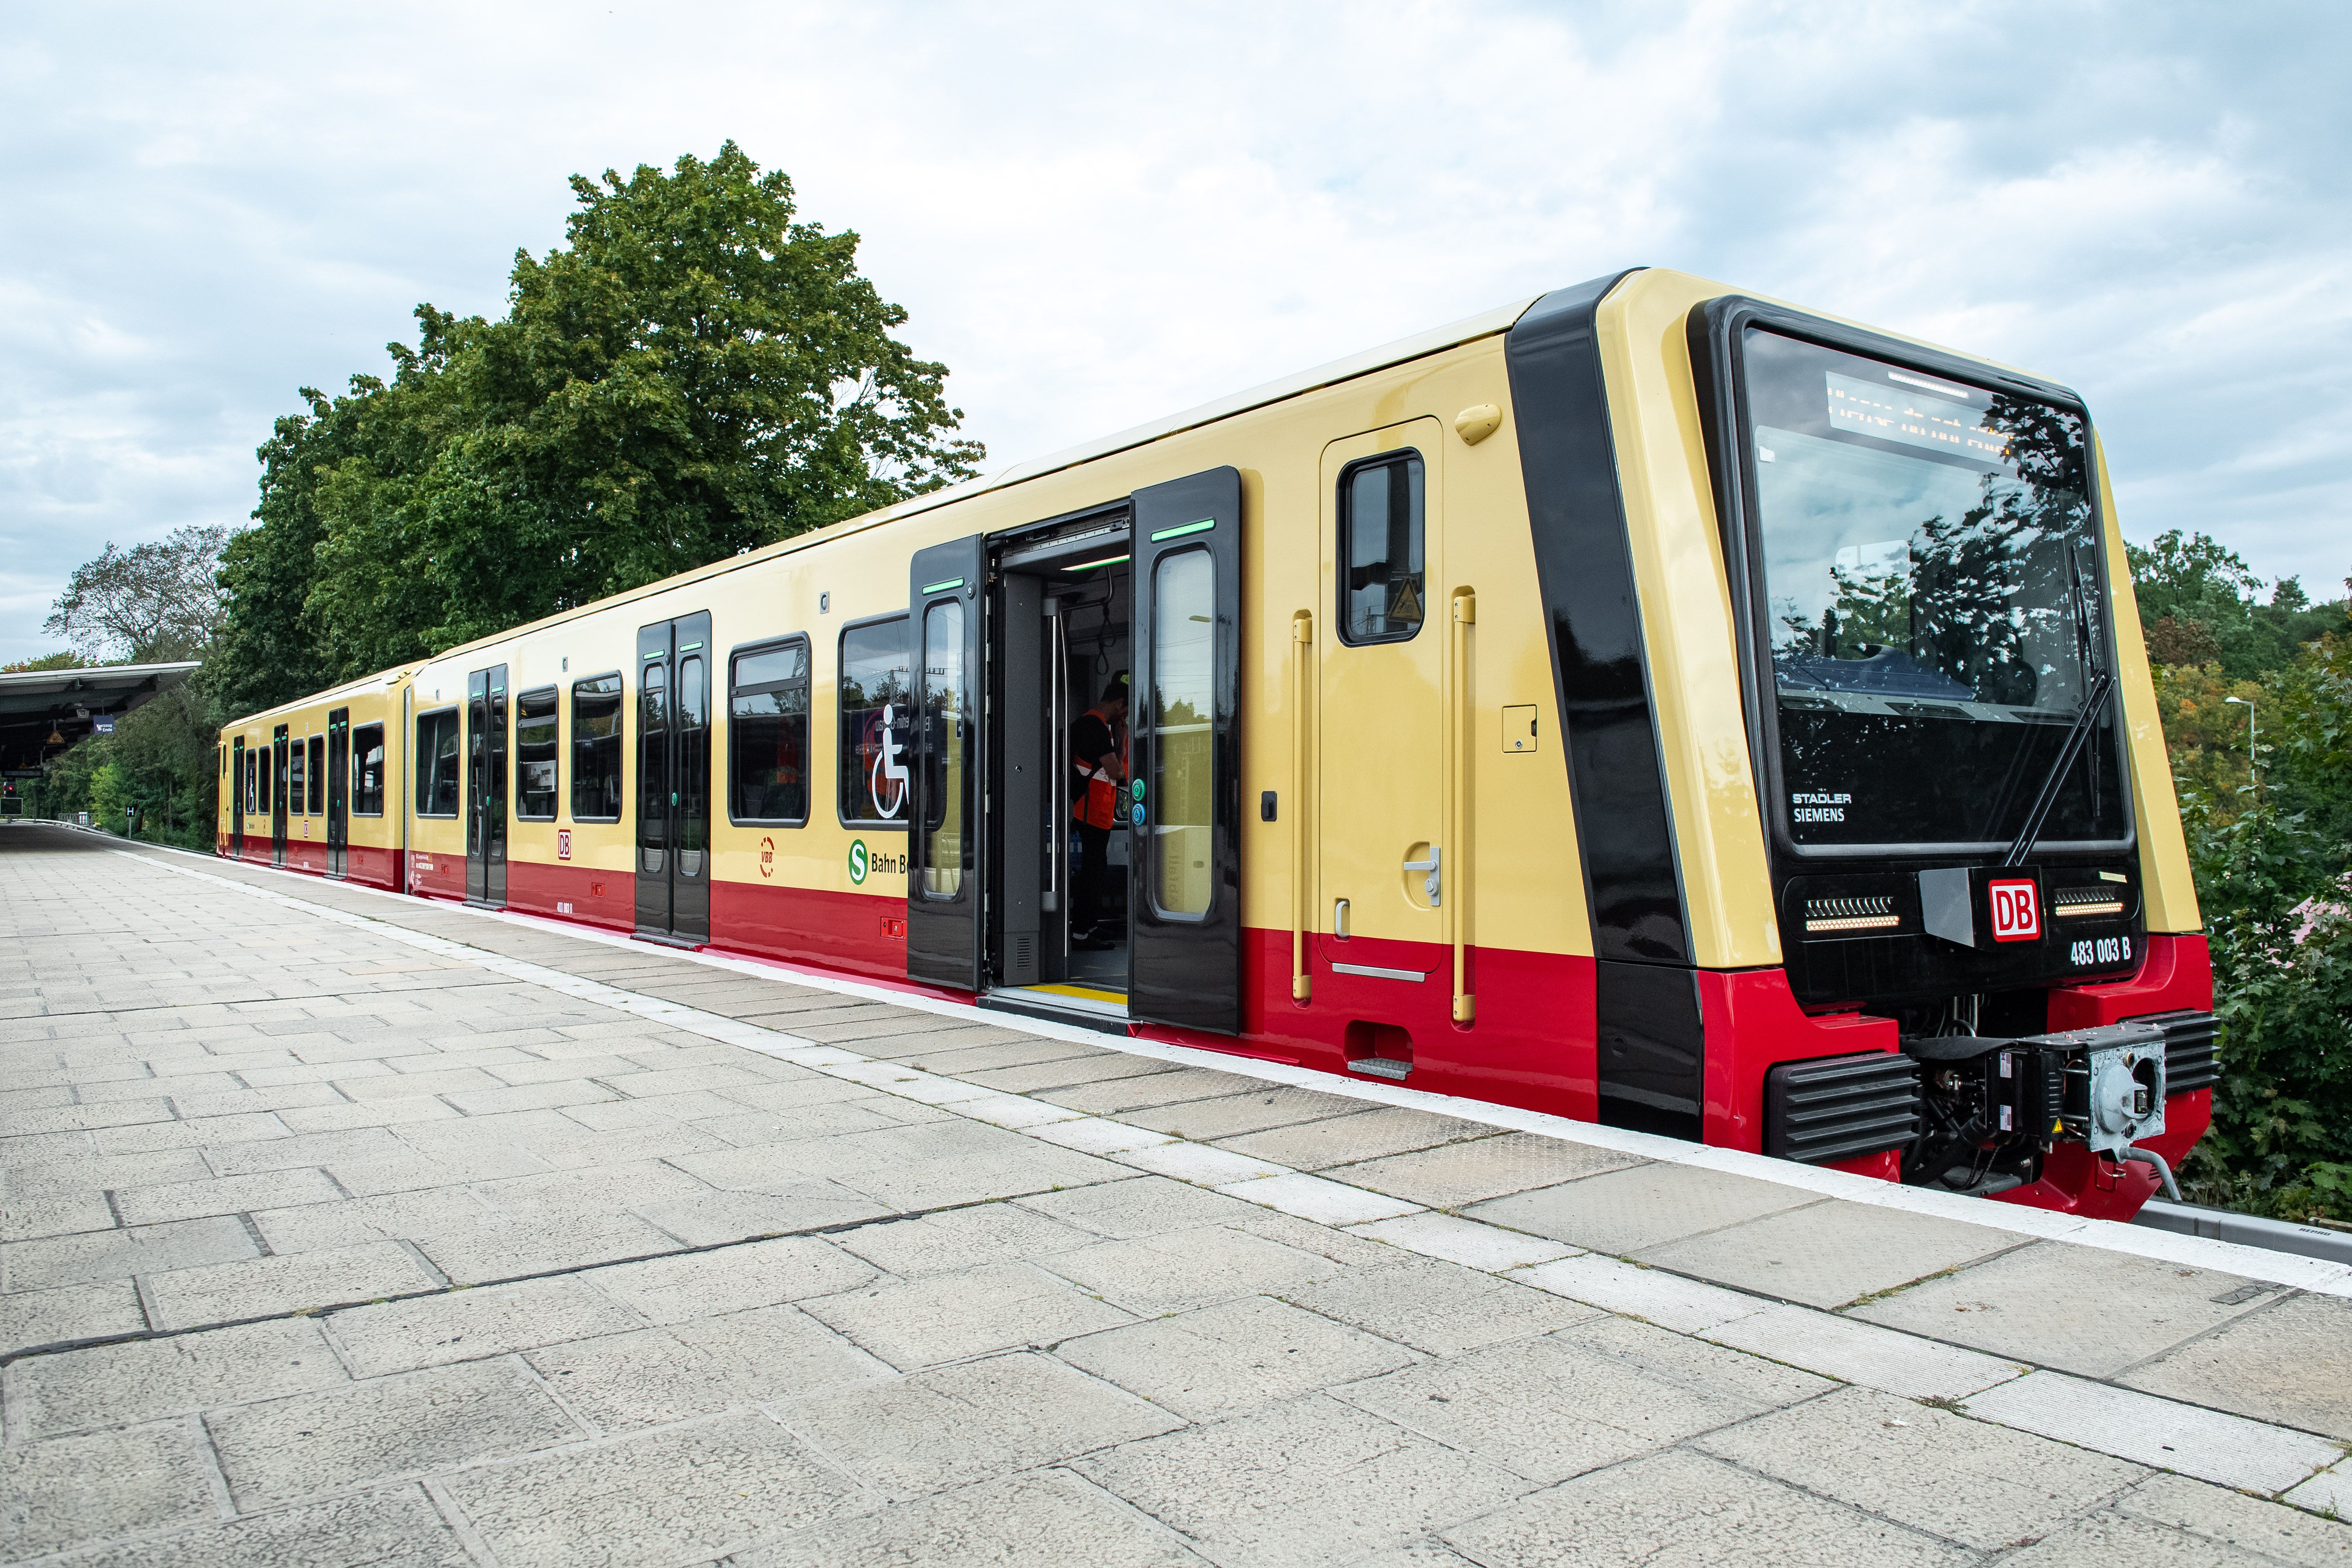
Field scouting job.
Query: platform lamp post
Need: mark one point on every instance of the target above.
(2253, 752)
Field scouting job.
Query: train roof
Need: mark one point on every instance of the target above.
(1486, 323)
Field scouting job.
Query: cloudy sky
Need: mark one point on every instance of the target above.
(1097, 214)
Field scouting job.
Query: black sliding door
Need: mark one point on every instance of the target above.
(338, 790)
(943, 872)
(674, 780)
(486, 794)
(277, 749)
(240, 797)
(1184, 808)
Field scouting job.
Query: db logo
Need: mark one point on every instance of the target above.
(2016, 913)
(564, 843)
(767, 856)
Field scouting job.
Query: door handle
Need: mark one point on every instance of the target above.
(1340, 918)
(1436, 885)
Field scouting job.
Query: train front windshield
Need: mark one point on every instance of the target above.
(1934, 604)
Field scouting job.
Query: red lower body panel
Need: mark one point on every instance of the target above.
(848, 931)
(564, 892)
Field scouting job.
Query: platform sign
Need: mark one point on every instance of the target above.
(102, 724)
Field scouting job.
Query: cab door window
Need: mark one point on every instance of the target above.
(1383, 592)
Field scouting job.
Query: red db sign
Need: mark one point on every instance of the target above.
(2016, 912)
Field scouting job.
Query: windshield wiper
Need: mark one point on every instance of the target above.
(2095, 699)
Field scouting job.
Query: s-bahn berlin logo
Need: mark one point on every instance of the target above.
(857, 861)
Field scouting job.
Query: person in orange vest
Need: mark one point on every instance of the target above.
(1095, 803)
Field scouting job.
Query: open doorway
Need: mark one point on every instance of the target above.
(1062, 939)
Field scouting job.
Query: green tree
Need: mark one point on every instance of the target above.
(2198, 605)
(150, 604)
(694, 374)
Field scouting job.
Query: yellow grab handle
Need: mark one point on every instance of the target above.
(1302, 636)
(1466, 615)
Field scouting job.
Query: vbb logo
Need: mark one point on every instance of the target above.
(2016, 911)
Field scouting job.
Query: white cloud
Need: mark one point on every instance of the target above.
(1098, 215)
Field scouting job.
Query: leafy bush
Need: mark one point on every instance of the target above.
(2271, 857)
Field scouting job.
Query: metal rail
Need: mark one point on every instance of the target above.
(2247, 1230)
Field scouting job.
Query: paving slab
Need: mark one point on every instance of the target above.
(1367, 1134)
(29, 1318)
(2069, 1306)
(1925, 1468)
(88, 1487)
(681, 1494)
(1043, 1519)
(1830, 1253)
(1593, 1394)
(1310, 1481)
(954, 1426)
(1627, 1211)
(1220, 1361)
(652, 1377)
(1440, 1308)
(952, 1316)
(298, 1283)
(468, 1325)
(1685, 1511)
(283, 1450)
(150, 1380)
(2288, 1361)
(2227, 1449)
(393, 1526)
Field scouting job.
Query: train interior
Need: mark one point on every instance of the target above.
(1060, 937)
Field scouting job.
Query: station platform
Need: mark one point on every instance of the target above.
(346, 1229)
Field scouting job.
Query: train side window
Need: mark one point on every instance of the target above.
(440, 763)
(1382, 596)
(535, 756)
(596, 749)
(877, 724)
(318, 775)
(768, 734)
(367, 771)
(298, 778)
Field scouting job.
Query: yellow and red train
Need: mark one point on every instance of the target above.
(1646, 702)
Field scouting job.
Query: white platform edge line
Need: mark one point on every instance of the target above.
(2310, 1273)
(846, 1063)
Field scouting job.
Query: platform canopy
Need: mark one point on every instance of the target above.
(44, 711)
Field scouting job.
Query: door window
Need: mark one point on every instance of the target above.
(596, 749)
(1382, 594)
(874, 723)
(1180, 810)
(693, 722)
(318, 775)
(535, 756)
(767, 739)
(297, 780)
(944, 847)
(653, 764)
